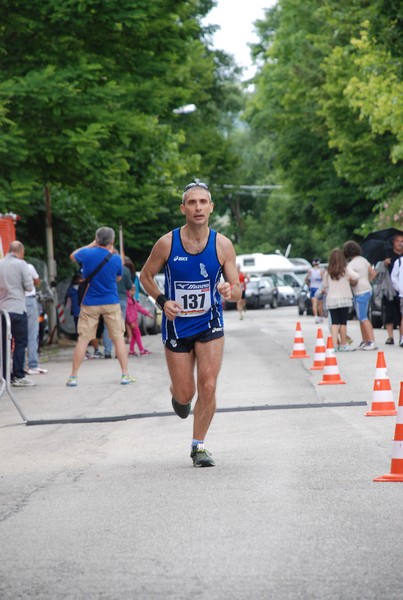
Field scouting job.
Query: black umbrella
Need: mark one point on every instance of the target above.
(378, 244)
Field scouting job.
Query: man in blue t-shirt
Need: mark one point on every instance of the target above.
(101, 299)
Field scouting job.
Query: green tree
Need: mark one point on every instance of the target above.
(87, 92)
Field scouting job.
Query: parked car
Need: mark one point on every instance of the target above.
(294, 280)
(286, 294)
(261, 291)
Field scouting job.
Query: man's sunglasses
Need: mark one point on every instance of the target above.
(197, 183)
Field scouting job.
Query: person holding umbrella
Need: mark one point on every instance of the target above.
(382, 249)
(392, 306)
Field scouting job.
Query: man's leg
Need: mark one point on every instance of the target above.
(78, 354)
(87, 326)
(181, 370)
(114, 322)
(19, 330)
(107, 342)
(33, 332)
(209, 358)
(121, 354)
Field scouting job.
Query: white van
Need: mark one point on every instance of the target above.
(263, 264)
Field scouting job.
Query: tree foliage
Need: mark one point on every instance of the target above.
(328, 96)
(87, 93)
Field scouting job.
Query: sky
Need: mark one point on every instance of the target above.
(236, 18)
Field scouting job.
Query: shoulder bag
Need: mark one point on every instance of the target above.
(85, 283)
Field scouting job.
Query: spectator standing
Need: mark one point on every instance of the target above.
(397, 282)
(133, 308)
(125, 284)
(15, 280)
(392, 305)
(194, 257)
(243, 280)
(33, 325)
(136, 282)
(314, 279)
(101, 299)
(339, 298)
(362, 292)
(71, 300)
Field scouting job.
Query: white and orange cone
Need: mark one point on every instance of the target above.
(299, 345)
(320, 350)
(331, 373)
(383, 404)
(396, 469)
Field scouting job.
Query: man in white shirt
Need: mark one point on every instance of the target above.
(33, 325)
(397, 281)
(15, 280)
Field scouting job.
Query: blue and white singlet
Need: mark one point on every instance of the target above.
(191, 280)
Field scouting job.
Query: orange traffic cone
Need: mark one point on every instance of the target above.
(382, 398)
(396, 469)
(331, 374)
(299, 346)
(319, 358)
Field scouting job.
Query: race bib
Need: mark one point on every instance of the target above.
(193, 296)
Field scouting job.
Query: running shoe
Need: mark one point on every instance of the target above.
(361, 346)
(72, 381)
(126, 379)
(132, 353)
(370, 346)
(201, 457)
(22, 382)
(35, 371)
(107, 355)
(98, 354)
(182, 410)
(390, 341)
(346, 348)
(145, 352)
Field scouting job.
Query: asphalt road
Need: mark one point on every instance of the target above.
(114, 510)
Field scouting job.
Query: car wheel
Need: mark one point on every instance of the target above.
(274, 303)
(153, 330)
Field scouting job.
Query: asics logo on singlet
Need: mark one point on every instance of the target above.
(180, 257)
(216, 329)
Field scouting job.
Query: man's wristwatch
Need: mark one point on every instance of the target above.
(160, 301)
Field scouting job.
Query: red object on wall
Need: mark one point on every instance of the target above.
(7, 232)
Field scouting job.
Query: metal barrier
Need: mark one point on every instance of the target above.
(6, 343)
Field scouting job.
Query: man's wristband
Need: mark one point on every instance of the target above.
(160, 301)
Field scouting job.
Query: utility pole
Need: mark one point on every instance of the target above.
(51, 264)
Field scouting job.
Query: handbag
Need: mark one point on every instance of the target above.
(85, 283)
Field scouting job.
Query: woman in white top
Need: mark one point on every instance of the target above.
(362, 292)
(339, 298)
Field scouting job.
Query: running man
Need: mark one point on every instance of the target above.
(193, 257)
(314, 279)
(243, 280)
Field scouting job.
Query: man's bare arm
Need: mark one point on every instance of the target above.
(157, 259)
(231, 289)
(155, 262)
